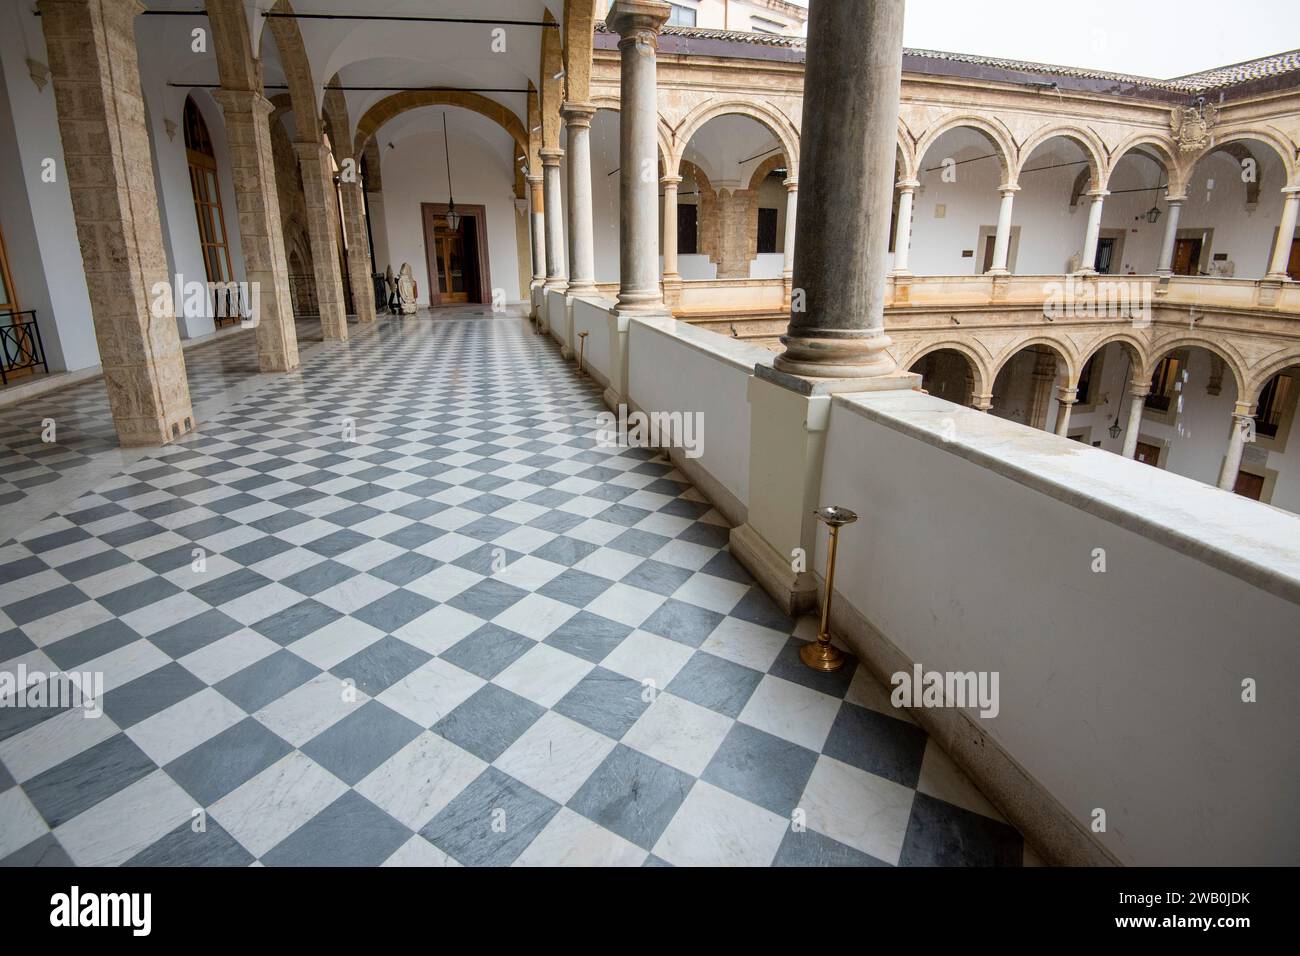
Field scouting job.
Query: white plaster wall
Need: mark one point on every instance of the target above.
(40, 231)
(1113, 693)
(414, 173)
(595, 321)
(673, 370)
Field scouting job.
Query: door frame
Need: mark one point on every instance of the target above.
(479, 213)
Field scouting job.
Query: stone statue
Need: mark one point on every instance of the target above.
(406, 289)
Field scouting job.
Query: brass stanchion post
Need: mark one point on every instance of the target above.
(821, 654)
(582, 349)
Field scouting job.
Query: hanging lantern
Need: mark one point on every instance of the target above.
(453, 217)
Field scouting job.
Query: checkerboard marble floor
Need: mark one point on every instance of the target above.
(436, 623)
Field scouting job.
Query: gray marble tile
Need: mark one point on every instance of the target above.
(491, 821)
(633, 795)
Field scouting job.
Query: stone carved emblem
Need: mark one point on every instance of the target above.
(1191, 126)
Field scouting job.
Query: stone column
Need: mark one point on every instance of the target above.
(1065, 399)
(1166, 264)
(1285, 232)
(555, 275)
(96, 75)
(539, 229)
(670, 184)
(358, 253)
(903, 229)
(582, 238)
(1002, 241)
(846, 168)
(1243, 430)
(322, 205)
(637, 22)
(1093, 232)
(1138, 392)
(791, 217)
(248, 133)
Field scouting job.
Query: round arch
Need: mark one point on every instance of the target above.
(1137, 350)
(1261, 376)
(390, 107)
(980, 375)
(1166, 153)
(765, 168)
(1278, 142)
(1231, 359)
(905, 154)
(998, 136)
(1061, 350)
(777, 123)
(1085, 140)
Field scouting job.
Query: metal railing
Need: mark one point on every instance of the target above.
(21, 348)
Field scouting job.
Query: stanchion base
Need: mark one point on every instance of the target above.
(822, 657)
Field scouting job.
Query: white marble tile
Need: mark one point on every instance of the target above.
(450, 546)
(11, 592)
(114, 579)
(609, 563)
(126, 663)
(860, 809)
(444, 583)
(52, 741)
(717, 828)
(679, 733)
(262, 603)
(418, 851)
(116, 829)
(307, 710)
(647, 657)
(705, 590)
(335, 642)
(430, 692)
(229, 655)
(685, 554)
(527, 573)
(280, 566)
(942, 778)
(55, 627)
(866, 691)
(22, 821)
(160, 615)
(184, 725)
(264, 810)
(543, 674)
(535, 616)
(419, 780)
(744, 643)
(593, 530)
(570, 839)
(791, 711)
(438, 629)
(555, 756)
(626, 604)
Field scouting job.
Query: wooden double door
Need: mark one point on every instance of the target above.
(456, 260)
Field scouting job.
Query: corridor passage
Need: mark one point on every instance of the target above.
(399, 606)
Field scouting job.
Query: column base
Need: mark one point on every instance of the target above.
(836, 356)
(998, 272)
(794, 592)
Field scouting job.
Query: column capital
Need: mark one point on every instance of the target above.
(551, 155)
(1243, 410)
(1291, 192)
(1098, 194)
(638, 21)
(670, 182)
(533, 180)
(1008, 189)
(578, 114)
(790, 183)
(1066, 395)
(243, 101)
(1137, 389)
(1176, 200)
(907, 185)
